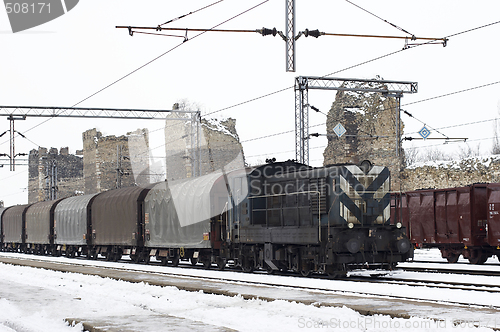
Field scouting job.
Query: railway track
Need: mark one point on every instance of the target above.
(387, 287)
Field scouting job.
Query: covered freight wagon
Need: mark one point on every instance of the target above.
(40, 227)
(72, 225)
(117, 222)
(177, 219)
(14, 227)
(2, 210)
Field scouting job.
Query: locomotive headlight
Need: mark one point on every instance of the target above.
(399, 225)
(350, 225)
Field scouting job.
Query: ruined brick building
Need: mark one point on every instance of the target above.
(115, 161)
(108, 162)
(219, 146)
(45, 166)
(370, 122)
(103, 164)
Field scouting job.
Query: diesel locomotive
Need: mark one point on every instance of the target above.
(281, 216)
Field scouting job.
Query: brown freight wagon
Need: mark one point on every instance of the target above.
(117, 219)
(455, 220)
(493, 225)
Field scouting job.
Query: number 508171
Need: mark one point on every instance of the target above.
(25, 8)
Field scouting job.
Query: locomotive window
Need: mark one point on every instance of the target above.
(274, 218)
(259, 203)
(303, 199)
(305, 216)
(290, 216)
(259, 217)
(290, 200)
(274, 202)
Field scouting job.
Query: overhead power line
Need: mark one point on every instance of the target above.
(149, 62)
(380, 18)
(195, 11)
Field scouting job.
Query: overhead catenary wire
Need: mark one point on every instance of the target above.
(380, 18)
(266, 95)
(151, 61)
(190, 13)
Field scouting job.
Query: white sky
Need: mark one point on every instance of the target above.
(72, 57)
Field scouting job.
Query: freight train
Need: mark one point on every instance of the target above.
(459, 221)
(281, 216)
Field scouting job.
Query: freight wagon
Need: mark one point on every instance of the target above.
(458, 221)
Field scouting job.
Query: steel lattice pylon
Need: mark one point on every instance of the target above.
(290, 35)
(304, 83)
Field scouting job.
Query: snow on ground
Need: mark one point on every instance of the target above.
(39, 300)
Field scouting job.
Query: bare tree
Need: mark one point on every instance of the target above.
(467, 151)
(435, 154)
(496, 140)
(412, 156)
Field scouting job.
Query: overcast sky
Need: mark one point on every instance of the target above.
(69, 59)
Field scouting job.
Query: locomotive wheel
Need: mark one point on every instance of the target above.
(336, 271)
(337, 274)
(305, 271)
(194, 261)
(247, 266)
(452, 258)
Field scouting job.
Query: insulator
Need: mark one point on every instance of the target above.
(312, 33)
(266, 32)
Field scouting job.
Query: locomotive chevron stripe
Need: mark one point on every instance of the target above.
(366, 193)
(378, 205)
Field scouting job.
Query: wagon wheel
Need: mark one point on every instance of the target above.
(118, 255)
(93, 254)
(452, 258)
(221, 263)
(478, 258)
(207, 263)
(175, 261)
(136, 258)
(110, 256)
(194, 261)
